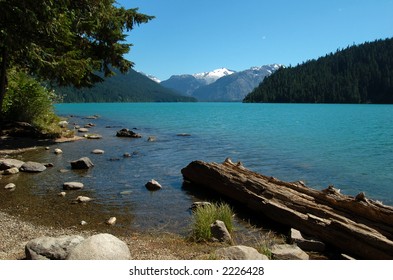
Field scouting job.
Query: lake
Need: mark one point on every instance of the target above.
(348, 146)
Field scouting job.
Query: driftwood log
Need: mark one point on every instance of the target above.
(356, 225)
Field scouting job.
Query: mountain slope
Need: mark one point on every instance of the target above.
(220, 84)
(236, 86)
(131, 87)
(357, 74)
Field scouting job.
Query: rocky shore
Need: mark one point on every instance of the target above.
(23, 223)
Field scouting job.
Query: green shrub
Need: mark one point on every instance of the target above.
(28, 101)
(208, 214)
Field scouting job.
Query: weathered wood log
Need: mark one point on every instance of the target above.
(356, 225)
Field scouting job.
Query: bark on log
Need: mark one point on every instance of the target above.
(356, 225)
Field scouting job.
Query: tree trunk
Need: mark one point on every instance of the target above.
(3, 78)
(356, 225)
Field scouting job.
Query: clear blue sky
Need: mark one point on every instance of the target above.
(192, 36)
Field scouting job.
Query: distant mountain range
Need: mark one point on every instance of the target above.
(220, 84)
(130, 87)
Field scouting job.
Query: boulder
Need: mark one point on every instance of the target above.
(82, 163)
(7, 163)
(153, 185)
(288, 252)
(51, 248)
(239, 252)
(33, 167)
(125, 132)
(72, 186)
(220, 232)
(306, 244)
(102, 246)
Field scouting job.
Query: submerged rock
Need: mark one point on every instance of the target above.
(72, 186)
(125, 132)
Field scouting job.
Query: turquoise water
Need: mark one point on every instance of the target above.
(349, 146)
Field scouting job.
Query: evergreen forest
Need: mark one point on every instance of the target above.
(129, 87)
(358, 74)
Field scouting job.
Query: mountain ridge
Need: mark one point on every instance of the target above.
(220, 84)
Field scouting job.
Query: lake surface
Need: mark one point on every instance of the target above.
(348, 146)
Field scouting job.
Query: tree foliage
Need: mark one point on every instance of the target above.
(65, 41)
(357, 74)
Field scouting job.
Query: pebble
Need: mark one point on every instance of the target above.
(83, 223)
(63, 194)
(111, 221)
(10, 186)
(83, 199)
(97, 152)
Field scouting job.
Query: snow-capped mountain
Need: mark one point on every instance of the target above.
(151, 77)
(221, 84)
(212, 76)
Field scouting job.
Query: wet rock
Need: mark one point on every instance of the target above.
(7, 163)
(62, 194)
(126, 155)
(83, 223)
(51, 248)
(72, 186)
(288, 252)
(49, 164)
(183, 134)
(220, 232)
(83, 129)
(97, 152)
(153, 185)
(125, 132)
(83, 199)
(10, 186)
(58, 151)
(102, 246)
(151, 139)
(93, 136)
(33, 167)
(82, 163)
(11, 171)
(239, 253)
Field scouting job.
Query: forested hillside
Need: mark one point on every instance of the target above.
(357, 74)
(130, 87)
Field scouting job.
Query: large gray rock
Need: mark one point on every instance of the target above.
(51, 248)
(220, 232)
(31, 166)
(82, 163)
(288, 252)
(102, 246)
(7, 163)
(306, 244)
(239, 252)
